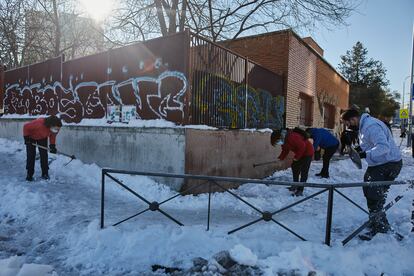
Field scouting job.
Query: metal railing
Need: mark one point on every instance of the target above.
(231, 91)
(267, 216)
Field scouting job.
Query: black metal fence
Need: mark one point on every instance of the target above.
(267, 216)
(230, 91)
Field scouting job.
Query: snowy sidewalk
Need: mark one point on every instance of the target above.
(56, 223)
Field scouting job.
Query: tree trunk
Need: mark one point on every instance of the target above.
(56, 50)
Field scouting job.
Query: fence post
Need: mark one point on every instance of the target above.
(102, 197)
(209, 206)
(329, 217)
(246, 85)
(412, 217)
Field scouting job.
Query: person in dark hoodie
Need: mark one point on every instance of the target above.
(324, 139)
(384, 160)
(37, 132)
(297, 141)
(348, 137)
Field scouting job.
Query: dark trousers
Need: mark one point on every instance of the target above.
(327, 156)
(31, 156)
(300, 168)
(376, 196)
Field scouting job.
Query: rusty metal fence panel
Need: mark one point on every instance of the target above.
(1, 88)
(218, 85)
(229, 91)
(32, 90)
(265, 98)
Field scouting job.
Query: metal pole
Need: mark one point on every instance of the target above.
(412, 217)
(209, 206)
(403, 123)
(102, 198)
(329, 217)
(411, 96)
(402, 105)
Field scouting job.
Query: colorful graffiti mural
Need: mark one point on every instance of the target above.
(224, 102)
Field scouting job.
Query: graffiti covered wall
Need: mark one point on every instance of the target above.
(176, 78)
(224, 103)
(150, 75)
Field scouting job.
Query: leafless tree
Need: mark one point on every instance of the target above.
(61, 30)
(13, 42)
(223, 19)
(35, 30)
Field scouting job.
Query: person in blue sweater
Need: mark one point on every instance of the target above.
(323, 139)
(384, 160)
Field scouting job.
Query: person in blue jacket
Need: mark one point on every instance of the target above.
(383, 156)
(324, 139)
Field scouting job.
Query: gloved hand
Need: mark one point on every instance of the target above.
(358, 149)
(52, 148)
(362, 154)
(28, 140)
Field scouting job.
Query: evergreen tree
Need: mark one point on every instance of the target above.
(368, 82)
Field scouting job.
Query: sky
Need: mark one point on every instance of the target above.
(385, 28)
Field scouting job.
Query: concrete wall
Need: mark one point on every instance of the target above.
(142, 149)
(228, 153)
(172, 150)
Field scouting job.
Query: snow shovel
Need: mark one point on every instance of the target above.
(264, 163)
(58, 152)
(354, 155)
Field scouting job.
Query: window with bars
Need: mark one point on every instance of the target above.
(328, 116)
(306, 104)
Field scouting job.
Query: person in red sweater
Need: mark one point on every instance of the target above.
(297, 141)
(37, 132)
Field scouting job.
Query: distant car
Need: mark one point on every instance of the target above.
(395, 125)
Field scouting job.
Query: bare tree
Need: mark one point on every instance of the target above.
(13, 40)
(223, 19)
(61, 30)
(35, 30)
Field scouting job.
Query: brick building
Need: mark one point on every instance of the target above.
(315, 92)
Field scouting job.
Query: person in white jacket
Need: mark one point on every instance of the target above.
(377, 146)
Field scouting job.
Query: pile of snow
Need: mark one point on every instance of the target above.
(138, 123)
(57, 223)
(15, 266)
(243, 255)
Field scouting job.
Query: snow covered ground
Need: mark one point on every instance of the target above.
(55, 224)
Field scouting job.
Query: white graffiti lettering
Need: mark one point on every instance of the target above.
(36, 99)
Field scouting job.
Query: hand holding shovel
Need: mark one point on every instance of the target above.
(56, 152)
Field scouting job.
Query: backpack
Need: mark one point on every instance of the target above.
(303, 133)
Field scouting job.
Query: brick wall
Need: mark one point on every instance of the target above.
(303, 69)
(309, 40)
(332, 89)
(269, 50)
(301, 79)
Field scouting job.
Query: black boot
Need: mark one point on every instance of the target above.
(45, 176)
(378, 223)
(298, 191)
(292, 188)
(29, 177)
